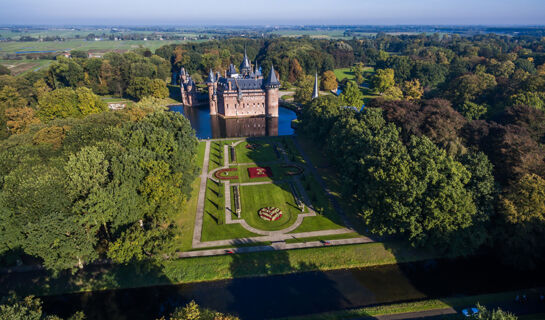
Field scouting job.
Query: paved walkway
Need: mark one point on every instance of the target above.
(275, 246)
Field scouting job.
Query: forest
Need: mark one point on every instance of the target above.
(448, 154)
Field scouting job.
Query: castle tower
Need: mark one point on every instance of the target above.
(212, 97)
(245, 66)
(316, 91)
(271, 94)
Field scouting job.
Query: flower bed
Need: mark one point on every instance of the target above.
(270, 213)
(260, 172)
(220, 174)
(298, 169)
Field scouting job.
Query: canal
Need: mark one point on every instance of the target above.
(304, 293)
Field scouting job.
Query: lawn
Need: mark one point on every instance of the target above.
(268, 195)
(186, 220)
(214, 227)
(349, 235)
(344, 73)
(20, 67)
(263, 153)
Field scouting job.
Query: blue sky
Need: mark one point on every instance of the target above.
(272, 12)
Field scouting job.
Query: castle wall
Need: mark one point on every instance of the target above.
(251, 104)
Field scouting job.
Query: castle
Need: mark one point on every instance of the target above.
(243, 93)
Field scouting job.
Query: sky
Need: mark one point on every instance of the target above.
(273, 12)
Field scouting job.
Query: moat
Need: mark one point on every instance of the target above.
(207, 126)
(304, 293)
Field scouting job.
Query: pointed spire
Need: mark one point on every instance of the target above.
(272, 81)
(245, 66)
(211, 78)
(315, 92)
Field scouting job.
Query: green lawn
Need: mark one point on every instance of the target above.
(344, 73)
(214, 227)
(263, 153)
(99, 46)
(269, 195)
(186, 220)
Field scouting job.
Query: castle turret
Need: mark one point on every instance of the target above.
(212, 98)
(245, 67)
(271, 92)
(316, 91)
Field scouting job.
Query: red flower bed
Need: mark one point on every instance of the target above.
(219, 174)
(260, 172)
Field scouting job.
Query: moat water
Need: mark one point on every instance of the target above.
(307, 292)
(207, 126)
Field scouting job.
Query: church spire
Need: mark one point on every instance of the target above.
(315, 92)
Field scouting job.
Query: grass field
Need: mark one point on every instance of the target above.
(269, 195)
(19, 67)
(12, 47)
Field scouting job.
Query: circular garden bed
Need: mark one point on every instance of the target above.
(270, 213)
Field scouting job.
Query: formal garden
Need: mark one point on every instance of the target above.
(262, 187)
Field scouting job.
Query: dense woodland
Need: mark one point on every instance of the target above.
(449, 155)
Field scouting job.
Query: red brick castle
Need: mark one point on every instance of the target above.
(243, 93)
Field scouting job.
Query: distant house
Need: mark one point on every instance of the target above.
(94, 55)
(66, 54)
(116, 105)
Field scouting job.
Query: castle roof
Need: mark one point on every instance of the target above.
(272, 81)
(257, 70)
(245, 65)
(232, 69)
(211, 77)
(241, 84)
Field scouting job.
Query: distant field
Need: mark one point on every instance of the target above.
(18, 67)
(337, 34)
(60, 46)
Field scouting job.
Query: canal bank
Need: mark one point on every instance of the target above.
(306, 292)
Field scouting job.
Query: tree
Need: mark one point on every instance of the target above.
(11, 100)
(193, 311)
(497, 314)
(29, 308)
(358, 69)
(522, 209)
(304, 87)
(4, 70)
(142, 87)
(393, 93)
(18, 120)
(413, 90)
(473, 111)
(329, 81)
(470, 86)
(383, 79)
(352, 95)
(66, 102)
(296, 71)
